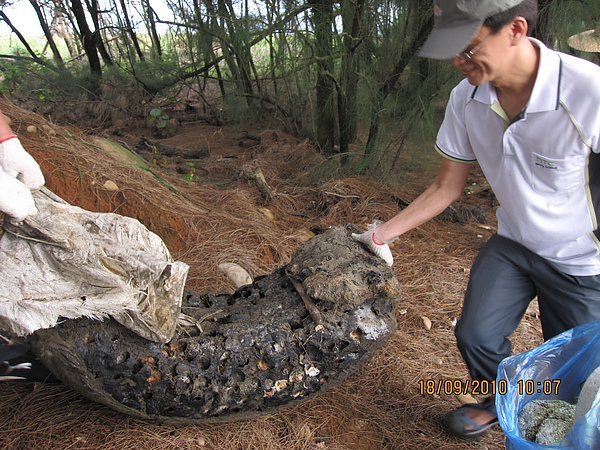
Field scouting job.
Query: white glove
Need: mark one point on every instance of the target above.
(19, 164)
(15, 198)
(381, 249)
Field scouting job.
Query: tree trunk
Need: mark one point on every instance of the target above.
(239, 48)
(94, 12)
(55, 53)
(62, 30)
(347, 101)
(322, 13)
(151, 26)
(65, 9)
(87, 38)
(213, 30)
(130, 32)
(387, 87)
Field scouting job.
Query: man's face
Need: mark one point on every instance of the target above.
(482, 60)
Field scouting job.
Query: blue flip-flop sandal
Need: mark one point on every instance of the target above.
(459, 422)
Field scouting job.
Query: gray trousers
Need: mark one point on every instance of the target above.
(504, 279)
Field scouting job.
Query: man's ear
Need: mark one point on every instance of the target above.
(518, 29)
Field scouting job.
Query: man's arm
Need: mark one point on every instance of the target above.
(447, 188)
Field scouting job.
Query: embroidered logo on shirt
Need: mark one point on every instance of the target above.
(545, 163)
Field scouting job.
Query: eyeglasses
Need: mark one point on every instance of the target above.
(468, 55)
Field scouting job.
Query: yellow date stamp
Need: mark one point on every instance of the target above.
(485, 387)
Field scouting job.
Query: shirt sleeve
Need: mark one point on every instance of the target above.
(452, 139)
(580, 96)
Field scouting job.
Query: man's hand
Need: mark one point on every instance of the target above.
(15, 198)
(380, 249)
(17, 163)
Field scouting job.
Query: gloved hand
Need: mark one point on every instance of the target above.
(381, 249)
(16, 162)
(15, 198)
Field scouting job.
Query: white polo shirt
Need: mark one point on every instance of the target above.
(544, 167)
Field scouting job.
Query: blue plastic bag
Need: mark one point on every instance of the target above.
(556, 369)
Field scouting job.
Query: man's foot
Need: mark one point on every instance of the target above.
(472, 419)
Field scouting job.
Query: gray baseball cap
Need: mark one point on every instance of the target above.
(456, 24)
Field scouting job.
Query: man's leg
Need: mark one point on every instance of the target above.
(498, 293)
(565, 300)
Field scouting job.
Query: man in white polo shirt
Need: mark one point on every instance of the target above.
(530, 117)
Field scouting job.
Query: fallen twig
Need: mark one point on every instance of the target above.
(314, 312)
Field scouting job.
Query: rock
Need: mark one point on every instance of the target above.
(110, 185)
(241, 355)
(49, 130)
(304, 235)
(267, 213)
(426, 322)
(236, 274)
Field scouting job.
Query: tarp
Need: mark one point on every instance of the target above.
(66, 262)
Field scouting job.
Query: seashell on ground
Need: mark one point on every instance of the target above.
(236, 274)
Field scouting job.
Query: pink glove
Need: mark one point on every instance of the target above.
(381, 249)
(15, 198)
(17, 163)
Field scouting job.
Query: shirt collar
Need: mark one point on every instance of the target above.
(545, 94)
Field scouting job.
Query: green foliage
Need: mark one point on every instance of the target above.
(161, 122)
(11, 75)
(561, 19)
(161, 119)
(10, 45)
(192, 173)
(43, 94)
(30, 80)
(260, 61)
